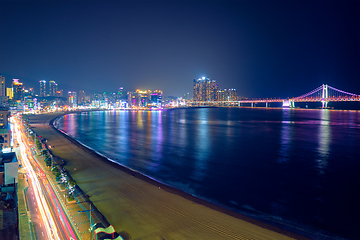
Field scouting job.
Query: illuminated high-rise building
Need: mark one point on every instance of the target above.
(72, 98)
(156, 98)
(205, 89)
(42, 88)
(120, 94)
(52, 88)
(227, 95)
(31, 90)
(139, 98)
(28, 93)
(199, 89)
(2, 86)
(130, 99)
(10, 93)
(212, 90)
(232, 94)
(3, 98)
(59, 93)
(17, 90)
(81, 98)
(142, 98)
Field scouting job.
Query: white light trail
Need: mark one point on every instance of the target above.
(47, 218)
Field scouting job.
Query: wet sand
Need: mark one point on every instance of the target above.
(142, 207)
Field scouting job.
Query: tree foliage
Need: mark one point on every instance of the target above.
(38, 144)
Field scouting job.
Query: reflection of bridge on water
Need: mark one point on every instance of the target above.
(323, 94)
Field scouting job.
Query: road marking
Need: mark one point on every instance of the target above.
(40, 224)
(36, 209)
(42, 233)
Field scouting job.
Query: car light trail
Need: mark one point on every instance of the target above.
(48, 221)
(55, 218)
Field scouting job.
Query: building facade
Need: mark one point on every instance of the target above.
(5, 134)
(8, 170)
(81, 97)
(227, 95)
(156, 98)
(205, 89)
(17, 88)
(42, 88)
(52, 88)
(10, 93)
(3, 98)
(72, 99)
(59, 93)
(2, 86)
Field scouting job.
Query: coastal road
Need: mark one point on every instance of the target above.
(50, 216)
(37, 221)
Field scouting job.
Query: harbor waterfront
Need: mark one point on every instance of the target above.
(142, 208)
(295, 169)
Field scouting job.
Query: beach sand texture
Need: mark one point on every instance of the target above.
(137, 206)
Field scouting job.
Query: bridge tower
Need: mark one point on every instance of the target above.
(325, 96)
(289, 103)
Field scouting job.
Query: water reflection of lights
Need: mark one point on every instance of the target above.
(286, 137)
(123, 139)
(157, 134)
(182, 128)
(324, 141)
(139, 121)
(202, 145)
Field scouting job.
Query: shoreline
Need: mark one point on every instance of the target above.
(171, 192)
(278, 227)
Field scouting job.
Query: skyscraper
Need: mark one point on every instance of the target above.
(52, 88)
(205, 89)
(17, 90)
(120, 94)
(156, 98)
(72, 98)
(81, 98)
(232, 94)
(10, 93)
(2, 86)
(211, 90)
(227, 95)
(141, 97)
(59, 93)
(31, 91)
(42, 88)
(199, 89)
(131, 99)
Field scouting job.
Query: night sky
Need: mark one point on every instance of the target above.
(261, 48)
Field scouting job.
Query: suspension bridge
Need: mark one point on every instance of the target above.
(323, 94)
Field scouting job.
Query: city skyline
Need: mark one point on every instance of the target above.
(262, 49)
(50, 89)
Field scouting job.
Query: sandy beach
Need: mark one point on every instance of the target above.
(143, 208)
